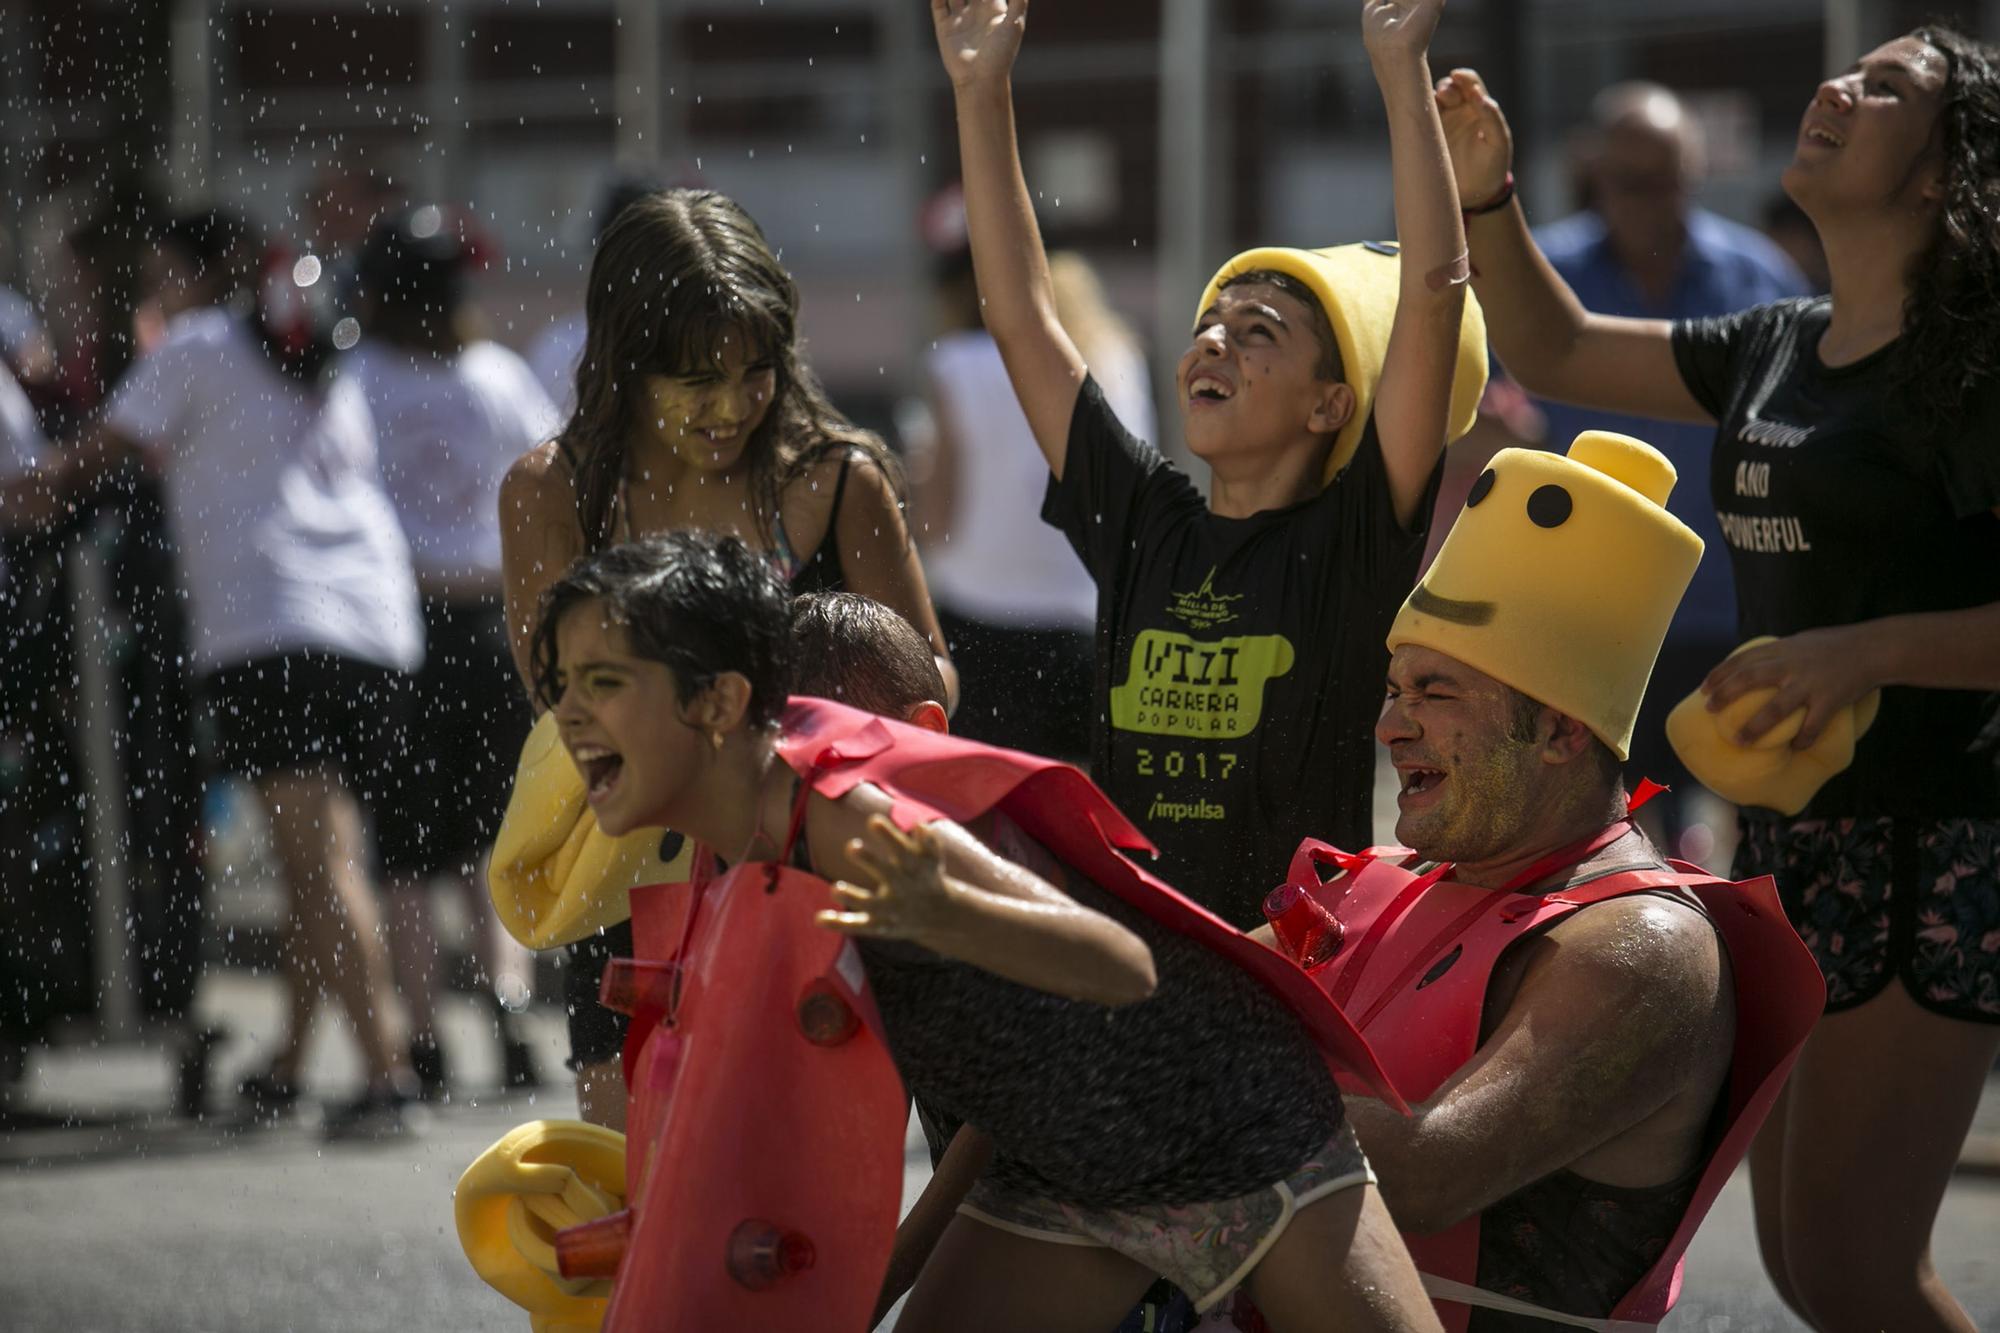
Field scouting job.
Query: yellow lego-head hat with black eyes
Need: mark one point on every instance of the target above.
(1357, 286)
(1560, 578)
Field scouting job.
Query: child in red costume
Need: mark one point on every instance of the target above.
(1041, 995)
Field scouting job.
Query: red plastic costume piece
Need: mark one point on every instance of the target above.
(765, 1120)
(928, 776)
(1418, 951)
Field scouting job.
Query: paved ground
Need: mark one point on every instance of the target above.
(130, 1220)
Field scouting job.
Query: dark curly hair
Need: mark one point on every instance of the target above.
(677, 273)
(851, 648)
(1951, 318)
(696, 603)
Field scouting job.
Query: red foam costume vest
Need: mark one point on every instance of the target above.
(1414, 957)
(765, 1118)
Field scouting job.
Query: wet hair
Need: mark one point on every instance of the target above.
(1329, 366)
(698, 604)
(677, 274)
(858, 651)
(1951, 333)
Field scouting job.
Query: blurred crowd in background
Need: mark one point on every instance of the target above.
(164, 161)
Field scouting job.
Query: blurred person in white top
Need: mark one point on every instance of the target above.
(304, 619)
(452, 411)
(1016, 604)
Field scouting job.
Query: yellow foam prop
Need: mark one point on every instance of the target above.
(543, 1177)
(1560, 577)
(555, 876)
(1357, 286)
(1768, 772)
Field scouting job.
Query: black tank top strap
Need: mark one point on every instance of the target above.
(821, 571)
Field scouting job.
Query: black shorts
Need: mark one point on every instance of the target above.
(1882, 899)
(596, 1034)
(1025, 689)
(303, 711)
(463, 722)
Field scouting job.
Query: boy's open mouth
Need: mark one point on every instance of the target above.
(600, 768)
(1209, 389)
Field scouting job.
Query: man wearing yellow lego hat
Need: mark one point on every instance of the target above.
(1319, 387)
(1583, 1028)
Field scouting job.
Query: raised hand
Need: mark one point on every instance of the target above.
(910, 897)
(1399, 27)
(978, 38)
(1476, 133)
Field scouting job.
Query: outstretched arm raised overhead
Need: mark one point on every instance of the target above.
(978, 40)
(1540, 331)
(1413, 400)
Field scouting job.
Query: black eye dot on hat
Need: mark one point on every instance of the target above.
(1550, 506)
(1480, 488)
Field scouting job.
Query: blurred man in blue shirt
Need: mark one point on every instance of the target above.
(1642, 248)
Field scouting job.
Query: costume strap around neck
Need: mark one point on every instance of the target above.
(1574, 854)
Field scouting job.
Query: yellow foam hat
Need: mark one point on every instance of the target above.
(1560, 577)
(1357, 287)
(555, 876)
(543, 1177)
(1768, 772)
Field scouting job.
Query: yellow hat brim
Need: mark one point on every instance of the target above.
(537, 1180)
(1357, 286)
(555, 876)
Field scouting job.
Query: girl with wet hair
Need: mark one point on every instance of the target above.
(696, 410)
(1856, 475)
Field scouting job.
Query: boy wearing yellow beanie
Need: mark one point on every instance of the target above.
(1240, 638)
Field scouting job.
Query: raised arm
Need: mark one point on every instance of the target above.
(1540, 331)
(978, 40)
(940, 887)
(1413, 400)
(539, 538)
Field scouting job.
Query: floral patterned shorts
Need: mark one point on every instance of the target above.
(1880, 898)
(1205, 1249)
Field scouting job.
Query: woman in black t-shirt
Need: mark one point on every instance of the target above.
(1857, 477)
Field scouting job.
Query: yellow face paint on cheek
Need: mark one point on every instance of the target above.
(1484, 801)
(669, 406)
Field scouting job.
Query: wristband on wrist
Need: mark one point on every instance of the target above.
(1496, 203)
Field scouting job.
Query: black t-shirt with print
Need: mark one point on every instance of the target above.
(1240, 661)
(1837, 510)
